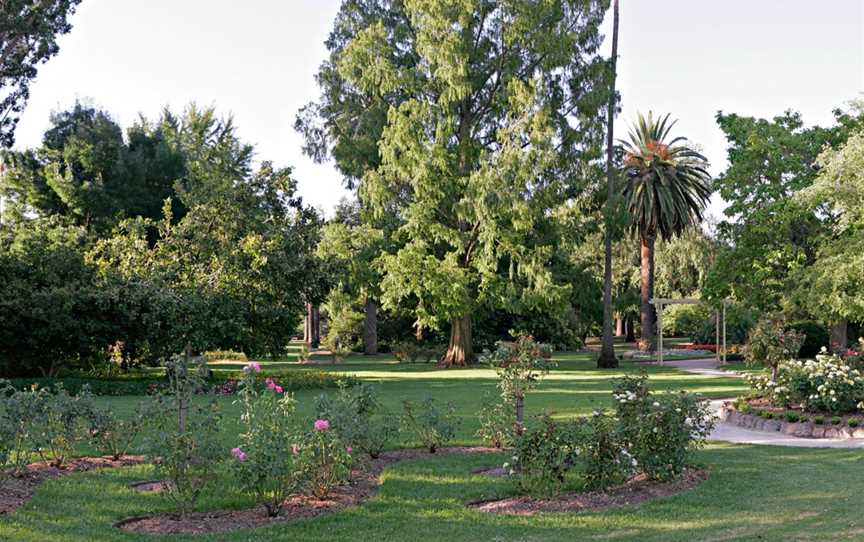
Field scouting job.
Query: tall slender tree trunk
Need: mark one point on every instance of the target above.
(370, 327)
(607, 358)
(418, 332)
(316, 326)
(649, 315)
(307, 325)
(631, 333)
(839, 337)
(619, 326)
(460, 351)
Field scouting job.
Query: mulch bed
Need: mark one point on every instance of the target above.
(364, 485)
(17, 490)
(635, 491)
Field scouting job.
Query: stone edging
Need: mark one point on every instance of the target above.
(727, 413)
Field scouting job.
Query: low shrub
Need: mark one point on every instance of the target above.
(265, 464)
(819, 420)
(854, 422)
(113, 435)
(770, 343)
(660, 430)
(359, 419)
(324, 460)
(433, 426)
(19, 415)
(542, 455)
(225, 355)
(836, 420)
(497, 421)
(792, 417)
(826, 384)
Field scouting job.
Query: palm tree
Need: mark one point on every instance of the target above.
(666, 191)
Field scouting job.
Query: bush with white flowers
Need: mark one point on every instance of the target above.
(827, 384)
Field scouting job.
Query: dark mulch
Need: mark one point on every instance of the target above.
(17, 490)
(364, 484)
(635, 491)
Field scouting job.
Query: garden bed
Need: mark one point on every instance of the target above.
(764, 417)
(364, 484)
(15, 491)
(634, 491)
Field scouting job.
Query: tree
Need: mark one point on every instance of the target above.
(86, 171)
(666, 191)
(28, 38)
(831, 286)
(607, 358)
(502, 112)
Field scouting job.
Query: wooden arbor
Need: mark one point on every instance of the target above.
(660, 303)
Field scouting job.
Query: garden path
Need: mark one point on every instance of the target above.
(732, 433)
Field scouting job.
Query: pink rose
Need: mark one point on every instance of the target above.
(270, 384)
(322, 425)
(295, 449)
(252, 366)
(238, 454)
(349, 449)
(278, 389)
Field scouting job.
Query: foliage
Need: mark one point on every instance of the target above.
(542, 455)
(434, 426)
(604, 453)
(826, 384)
(182, 436)
(497, 421)
(770, 343)
(357, 417)
(323, 459)
(20, 412)
(519, 365)
(113, 434)
(219, 355)
(28, 38)
(484, 112)
(660, 431)
(815, 337)
(61, 424)
(265, 461)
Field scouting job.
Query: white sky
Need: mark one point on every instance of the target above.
(256, 59)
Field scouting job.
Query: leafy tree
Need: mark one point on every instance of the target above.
(502, 112)
(85, 170)
(831, 287)
(28, 38)
(666, 191)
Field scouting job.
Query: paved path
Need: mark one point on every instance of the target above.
(732, 433)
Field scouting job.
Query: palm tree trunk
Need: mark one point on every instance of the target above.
(370, 327)
(460, 351)
(307, 325)
(607, 358)
(649, 315)
(316, 326)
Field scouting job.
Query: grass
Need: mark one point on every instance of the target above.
(753, 493)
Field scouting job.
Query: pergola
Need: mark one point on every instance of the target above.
(660, 303)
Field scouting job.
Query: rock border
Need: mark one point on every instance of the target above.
(803, 429)
(635, 491)
(363, 486)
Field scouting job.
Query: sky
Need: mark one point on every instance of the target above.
(256, 60)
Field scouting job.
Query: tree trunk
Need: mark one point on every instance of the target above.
(631, 333)
(316, 326)
(648, 314)
(370, 327)
(619, 326)
(307, 325)
(520, 414)
(839, 339)
(418, 332)
(460, 351)
(607, 358)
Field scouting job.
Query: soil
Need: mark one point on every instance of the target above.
(364, 484)
(149, 486)
(17, 490)
(635, 491)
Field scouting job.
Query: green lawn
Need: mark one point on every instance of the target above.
(753, 493)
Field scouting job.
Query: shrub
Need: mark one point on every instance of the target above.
(19, 415)
(827, 383)
(815, 337)
(792, 417)
(836, 420)
(114, 435)
(62, 424)
(607, 461)
(357, 416)
(182, 438)
(769, 415)
(264, 463)
(542, 455)
(854, 422)
(771, 344)
(324, 460)
(819, 420)
(433, 426)
(497, 421)
(520, 365)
